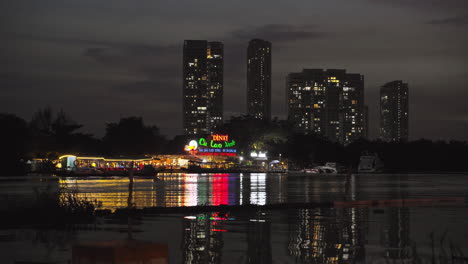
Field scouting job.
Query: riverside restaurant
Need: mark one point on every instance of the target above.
(71, 164)
(89, 165)
(212, 153)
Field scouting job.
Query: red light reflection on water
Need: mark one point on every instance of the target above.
(218, 230)
(218, 216)
(220, 189)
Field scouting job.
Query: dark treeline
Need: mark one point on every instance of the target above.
(50, 134)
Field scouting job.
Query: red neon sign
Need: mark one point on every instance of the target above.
(220, 137)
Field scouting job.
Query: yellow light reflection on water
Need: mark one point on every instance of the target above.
(191, 190)
(111, 193)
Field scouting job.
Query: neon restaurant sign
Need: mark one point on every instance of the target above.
(214, 145)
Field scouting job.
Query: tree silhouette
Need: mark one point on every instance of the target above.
(56, 134)
(130, 136)
(14, 142)
(252, 133)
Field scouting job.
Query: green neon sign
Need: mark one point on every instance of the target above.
(202, 142)
(217, 144)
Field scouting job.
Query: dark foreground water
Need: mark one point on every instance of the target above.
(411, 221)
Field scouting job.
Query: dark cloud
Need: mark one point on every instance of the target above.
(155, 66)
(159, 91)
(141, 87)
(451, 21)
(136, 53)
(103, 50)
(59, 39)
(12, 82)
(280, 33)
(427, 4)
(135, 50)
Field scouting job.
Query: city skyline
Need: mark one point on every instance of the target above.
(327, 102)
(99, 62)
(325, 131)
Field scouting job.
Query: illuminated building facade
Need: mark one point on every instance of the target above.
(202, 86)
(352, 112)
(366, 121)
(259, 239)
(394, 111)
(215, 57)
(259, 79)
(327, 102)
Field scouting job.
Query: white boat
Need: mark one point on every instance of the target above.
(313, 170)
(321, 170)
(327, 169)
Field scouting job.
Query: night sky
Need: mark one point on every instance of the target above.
(101, 60)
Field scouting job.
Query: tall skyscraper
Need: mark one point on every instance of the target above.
(202, 86)
(366, 121)
(259, 79)
(353, 110)
(394, 111)
(327, 102)
(215, 56)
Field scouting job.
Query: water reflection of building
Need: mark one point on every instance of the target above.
(396, 237)
(259, 239)
(326, 236)
(203, 239)
(258, 188)
(262, 188)
(358, 218)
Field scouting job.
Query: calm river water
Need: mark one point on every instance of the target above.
(410, 209)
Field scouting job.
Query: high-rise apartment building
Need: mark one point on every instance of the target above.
(202, 86)
(366, 122)
(327, 102)
(353, 109)
(394, 111)
(215, 66)
(259, 79)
